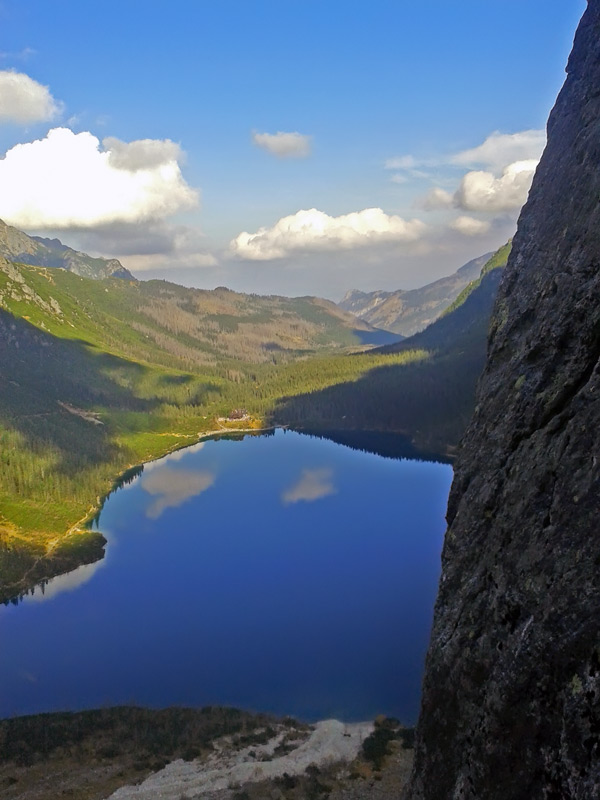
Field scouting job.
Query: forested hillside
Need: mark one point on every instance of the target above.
(99, 376)
(429, 401)
(96, 377)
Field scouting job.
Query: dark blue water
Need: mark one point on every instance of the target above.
(279, 573)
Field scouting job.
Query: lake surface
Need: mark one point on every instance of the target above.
(281, 573)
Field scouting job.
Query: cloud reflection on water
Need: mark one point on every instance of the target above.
(176, 455)
(172, 487)
(312, 485)
(65, 583)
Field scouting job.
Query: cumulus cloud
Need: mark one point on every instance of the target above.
(172, 487)
(313, 230)
(500, 149)
(483, 191)
(67, 181)
(469, 226)
(438, 198)
(141, 154)
(147, 245)
(312, 485)
(150, 245)
(511, 161)
(23, 100)
(283, 145)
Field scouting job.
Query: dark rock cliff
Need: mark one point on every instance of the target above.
(511, 699)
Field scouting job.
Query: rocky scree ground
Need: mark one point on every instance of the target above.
(212, 753)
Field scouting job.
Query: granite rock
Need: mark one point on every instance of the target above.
(511, 697)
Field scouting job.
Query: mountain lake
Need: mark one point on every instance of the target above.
(280, 573)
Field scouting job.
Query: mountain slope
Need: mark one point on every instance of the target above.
(98, 376)
(430, 401)
(407, 312)
(511, 697)
(173, 325)
(463, 325)
(17, 246)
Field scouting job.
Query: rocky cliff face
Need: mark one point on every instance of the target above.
(511, 702)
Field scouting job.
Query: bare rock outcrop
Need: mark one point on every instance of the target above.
(511, 700)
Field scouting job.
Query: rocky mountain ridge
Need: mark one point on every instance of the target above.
(511, 694)
(39, 252)
(408, 311)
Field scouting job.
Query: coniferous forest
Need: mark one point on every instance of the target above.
(99, 376)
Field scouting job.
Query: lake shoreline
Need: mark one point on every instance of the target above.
(201, 544)
(176, 751)
(80, 545)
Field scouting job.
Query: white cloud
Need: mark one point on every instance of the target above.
(67, 181)
(141, 154)
(500, 149)
(283, 145)
(156, 261)
(469, 226)
(313, 230)
(438, 198)
(511, 160)
(185, 248)
(19, 55)
(23, 100)
(482, 191)
(142, 246)
(402, 162)
(154, 237)
(172, 487)
(312, 485)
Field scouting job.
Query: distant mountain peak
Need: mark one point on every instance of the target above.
(408, 311)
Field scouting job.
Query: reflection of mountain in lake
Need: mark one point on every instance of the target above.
(387, 445)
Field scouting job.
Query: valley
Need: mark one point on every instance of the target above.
(99, 376)
(258, 542)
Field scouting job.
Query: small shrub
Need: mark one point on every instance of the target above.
(407, 737)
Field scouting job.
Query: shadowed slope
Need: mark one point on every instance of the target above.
(512, 687)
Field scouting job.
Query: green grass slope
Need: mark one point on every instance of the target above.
(18, 246)
(96, 377)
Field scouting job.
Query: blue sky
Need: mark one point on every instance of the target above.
(380, 105)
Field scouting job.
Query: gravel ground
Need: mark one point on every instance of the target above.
(266, 759)
(330, 742)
